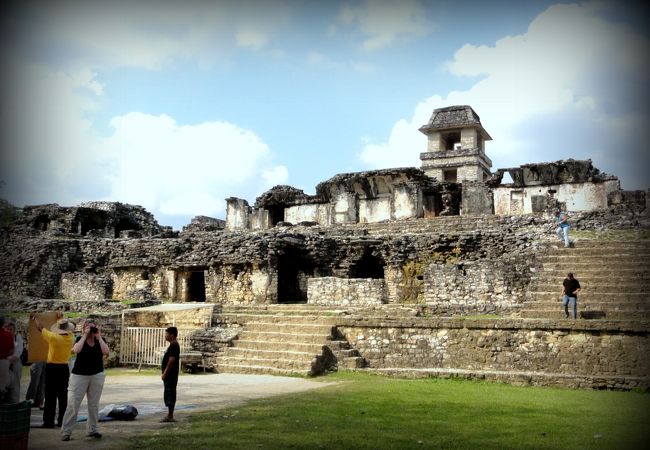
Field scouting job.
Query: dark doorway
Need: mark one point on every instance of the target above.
(294, 269)
(431, 205)
(41, 223)
(369, 266)
(92, 221)
(276, 214)
(123, 225)
(196, 287)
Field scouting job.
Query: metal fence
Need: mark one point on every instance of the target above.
(146, 345)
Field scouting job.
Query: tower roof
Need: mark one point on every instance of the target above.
(458, 116)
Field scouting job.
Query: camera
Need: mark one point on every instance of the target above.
(93, 330)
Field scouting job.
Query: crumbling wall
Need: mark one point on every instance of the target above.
(573, 185)
(127, 280)
(161, 317)
(86, 286)
(240, 284)
(204, 223)
(573, 197)
(478, 198)
(333, 291)
(32, 265)
(485, 286)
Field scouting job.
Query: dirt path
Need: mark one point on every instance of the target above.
(195, 393)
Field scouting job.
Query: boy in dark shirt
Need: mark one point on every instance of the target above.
(170, 368)
(570, 289)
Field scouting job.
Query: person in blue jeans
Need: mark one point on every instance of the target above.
(562, 230)
(570, 289)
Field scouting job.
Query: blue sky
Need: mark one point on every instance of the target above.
(176, 106)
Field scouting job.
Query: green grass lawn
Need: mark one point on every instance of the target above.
(373, 412)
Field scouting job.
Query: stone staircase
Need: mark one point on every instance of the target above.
(614, 276)
(284, 340)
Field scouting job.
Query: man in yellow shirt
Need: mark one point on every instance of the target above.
(57, 372)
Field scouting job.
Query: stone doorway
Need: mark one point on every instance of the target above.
(276, 214)
(294, 269)
(196, 286)
(369, 266)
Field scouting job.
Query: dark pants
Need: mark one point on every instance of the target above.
(36, 388)
(56, 388)
(169, 394)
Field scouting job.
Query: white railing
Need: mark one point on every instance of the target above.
(146, 345)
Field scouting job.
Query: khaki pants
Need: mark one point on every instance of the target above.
(80, 386)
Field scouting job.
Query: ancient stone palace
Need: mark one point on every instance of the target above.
(442, 270)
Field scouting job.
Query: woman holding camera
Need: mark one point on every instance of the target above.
(87, 378)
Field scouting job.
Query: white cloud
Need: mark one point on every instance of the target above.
(322, 61)
(384, 21)
(139, 34)
(186, 169)
(251, 38)
(148, 160)
(46, 134)
(571, 86)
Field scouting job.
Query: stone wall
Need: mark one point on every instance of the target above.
(597, 355)
(488, 286)
(163, 317)
(127, 280)
(240, 284)
(477, 199)
(334, 291)
(79, 285)
(585, 196)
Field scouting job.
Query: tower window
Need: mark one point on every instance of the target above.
(450, 175)
(451, 139)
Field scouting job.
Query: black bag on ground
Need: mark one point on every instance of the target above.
(123, 412)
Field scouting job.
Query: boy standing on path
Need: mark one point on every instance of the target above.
(170, 367)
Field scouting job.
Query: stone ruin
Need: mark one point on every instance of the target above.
(438, 270)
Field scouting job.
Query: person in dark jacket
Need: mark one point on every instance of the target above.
(570, 289)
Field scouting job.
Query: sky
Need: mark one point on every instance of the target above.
(176, 106)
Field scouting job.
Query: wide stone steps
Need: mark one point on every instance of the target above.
(558, 313)
(595, 287)
(278, 308)
(618, 296)
(223, 367)
(613, 274)
(280, 345)
(247, 354)
(283, 327)
(281, 318)
(589, 304)
(284, 339)
(606, 259)
(635, 272)
(270, 336)
(580, 264)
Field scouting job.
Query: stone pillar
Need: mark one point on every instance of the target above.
(237, 214)
(346, 208)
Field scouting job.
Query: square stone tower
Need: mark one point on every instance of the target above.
(456, 146)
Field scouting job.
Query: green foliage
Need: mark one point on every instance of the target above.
(371, 412)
